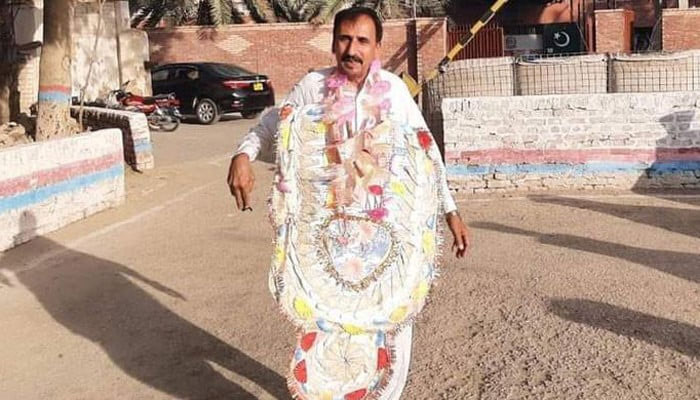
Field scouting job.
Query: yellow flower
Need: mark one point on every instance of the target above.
(353, 329)
(428, 243)
(285, 133)
(428, 166)
(398, 188)
(279, 255)
(321, 128)
(420, 291)
(398, 315)
(330, 199)
(302, 308)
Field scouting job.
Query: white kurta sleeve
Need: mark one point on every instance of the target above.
(415, 119)
(259, 143)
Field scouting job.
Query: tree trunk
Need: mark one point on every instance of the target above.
(54, 118)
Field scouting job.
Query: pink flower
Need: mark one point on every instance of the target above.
(283, 187)
(385, 105)
(379, 88)
(375, 66)
(353, 268)
(366, 231)
(376, 190)
(345, 118)
(336, 81)
(378, 214)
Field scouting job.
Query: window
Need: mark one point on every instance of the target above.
(160, 76)
(228, 70)
(185, 74)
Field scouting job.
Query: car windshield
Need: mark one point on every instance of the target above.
(228, 70)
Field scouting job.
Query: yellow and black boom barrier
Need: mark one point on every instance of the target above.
(415, 88)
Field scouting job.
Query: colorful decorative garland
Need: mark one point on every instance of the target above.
(355, 214)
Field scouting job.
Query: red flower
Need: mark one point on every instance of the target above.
(307, 341)
(424, 139)
(356, 395)
(382, 358)
(378, 214)
(300, 372)
(376, 190)
(285, 111)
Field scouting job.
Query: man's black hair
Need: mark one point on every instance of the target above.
(352, 13)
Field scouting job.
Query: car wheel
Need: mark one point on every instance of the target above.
(250, 114)
(207, 112)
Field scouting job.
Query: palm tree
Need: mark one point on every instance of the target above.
(149, 13)
(53, 119)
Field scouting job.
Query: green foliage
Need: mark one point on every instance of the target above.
(148, 13)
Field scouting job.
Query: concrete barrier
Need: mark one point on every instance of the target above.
(47, 185)
(621, 141)
(138, 149)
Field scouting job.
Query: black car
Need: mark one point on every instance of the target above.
(207, 90)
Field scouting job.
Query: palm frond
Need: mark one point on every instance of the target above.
(282, 10)
(257, 10)
(220, 11)
(140, 15)
(328, 11)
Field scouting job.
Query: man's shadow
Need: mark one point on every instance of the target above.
(679, 264)
(681, 337)
(677, 336)
(100, 301)
(669, 159)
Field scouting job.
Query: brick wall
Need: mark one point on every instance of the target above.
(136, 136)
(613, 30)
(47, 185)
(28, 82)
(285, 52)
(644, 11)
(681, 29)
(621, 141)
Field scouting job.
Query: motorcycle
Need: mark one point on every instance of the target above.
(161, 111)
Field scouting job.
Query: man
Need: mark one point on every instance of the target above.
(357, 36)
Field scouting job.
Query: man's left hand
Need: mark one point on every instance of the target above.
(460, 232)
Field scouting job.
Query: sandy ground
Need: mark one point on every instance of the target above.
(583, 296)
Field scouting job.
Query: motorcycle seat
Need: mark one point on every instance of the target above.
(153, 99)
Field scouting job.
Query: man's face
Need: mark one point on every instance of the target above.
(355, 47)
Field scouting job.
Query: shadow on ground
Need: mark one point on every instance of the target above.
(679, 264)
(684, 221)
(103, 302)
(678, 336)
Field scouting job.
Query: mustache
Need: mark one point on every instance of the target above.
(349, 57)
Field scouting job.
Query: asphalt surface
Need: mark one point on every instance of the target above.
(568, 296)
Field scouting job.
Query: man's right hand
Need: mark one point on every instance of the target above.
(241, 180)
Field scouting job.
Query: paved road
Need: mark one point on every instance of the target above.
(564, 297)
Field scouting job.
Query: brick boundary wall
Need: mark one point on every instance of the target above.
(47, 185)
(613, 30)
(534, 143)
(138, 149)
(681, 29)
(286, 51)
